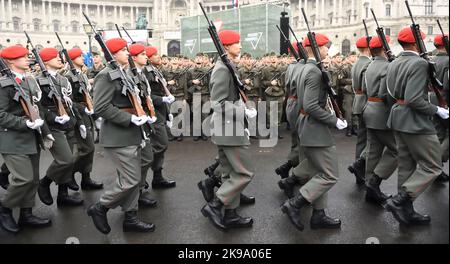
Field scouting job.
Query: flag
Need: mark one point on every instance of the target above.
(235, 3)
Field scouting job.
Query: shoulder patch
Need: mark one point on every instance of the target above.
(6, 82)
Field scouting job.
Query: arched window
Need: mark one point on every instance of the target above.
(388, 10)
(346, 47)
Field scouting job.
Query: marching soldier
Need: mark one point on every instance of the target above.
(348, 97)
(83, 138)
(121, 137)
(319, 170)
(442, 61)
(19, 145)
(419, 153)
(358, 77)
(161, 99)
(61, 169)
(381, 146)
(232, 145)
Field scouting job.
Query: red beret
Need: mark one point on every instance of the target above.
(361, 43)
(1, 53)
(229, 37)
(150, 51)
(75, 53)
(439, 40)
(14, 52)
(406, 35)
(136, 49)
(116, 44)
(376, 42)
(321, 40)
(48, 54)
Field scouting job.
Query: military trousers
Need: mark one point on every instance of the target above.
(83, 150)
(347, 105)
(197, 113)
(419, 161)
(60, 170)
(361, 142)
(294, 154)
(236, 172)
(318, 172)
(278, 110)
(23, 180)
(125, 191)
(146, 161)
(159, 142)
(4, 169)
(381, 154)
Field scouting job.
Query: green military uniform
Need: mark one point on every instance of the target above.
(348, 97)
(273, 93)
(196, 92)
(253, 93)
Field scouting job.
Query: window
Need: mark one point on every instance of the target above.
(127, 25)
(74, 11)
(37, 24)
(110, 26)
(15, 7)
(429, 7)
(55, 10)
(36, 9)
(330, 18)
(387, 31)
(56, 25)
(92, 12)
(346, 47)
(349, 16)
(430, 30)
(16, 24)
(388, 10)
(313, 19)
(127, 14)
(75, 27)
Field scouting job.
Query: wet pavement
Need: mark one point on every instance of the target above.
(178, 218)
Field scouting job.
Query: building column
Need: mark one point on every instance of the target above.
(324, 16)
(334, 20)
(69, 14)
(341, 12)
(104, 17)
(164, 12)
(30, 14)
(300, 15)
(98, 14)
(50, 15)
(155, 11)
(2, 14)
(10, 14)
(147, 9)
(318, 19)
(44, 17)
(120, 15)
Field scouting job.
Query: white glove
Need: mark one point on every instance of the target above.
(442, 113)
(152, 120)
(168, 99)
(83, 131)
(62, 119)
(48, 141)
(139, 121)
(98, 123)
(247, 132)
(251, 113)
(169, 122)
(89, 113)
(341, 124)
(36, 124)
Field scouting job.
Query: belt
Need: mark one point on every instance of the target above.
(401, 102)
(359, 91)
(375, 100)
(129, 110)
(302, 111)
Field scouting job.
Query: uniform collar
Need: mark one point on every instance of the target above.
(410, 52)
(52, 73)
(381, 58)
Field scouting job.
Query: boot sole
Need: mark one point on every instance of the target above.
(131, 230)
(205, 214)
(285, 211)
(316, 227)
(14, 231)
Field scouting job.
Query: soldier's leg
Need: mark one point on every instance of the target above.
(280, 101)
(292, 159)
(160, 143)
(60, 170)
(445, 152)
(85, 159)
(362, 138)
(347, 107)
(406, 164)
(146, 162)
(4, 173)
(374, 153)
(389, 159)
(197, 115)
(204, 116)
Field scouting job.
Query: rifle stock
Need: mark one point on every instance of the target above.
(382, 36)
(444, 37)
(288, 42)
(301, 50)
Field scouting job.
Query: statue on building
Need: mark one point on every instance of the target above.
(141, 22)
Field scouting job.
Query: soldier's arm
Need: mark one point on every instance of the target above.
(103, 96)
(8, 120)
(266, 78)
(220, 90)
(313, 90)
(416, 85)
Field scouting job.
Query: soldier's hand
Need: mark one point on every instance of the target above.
(89, 113)
(152, 120)
(62, 119)
(196, 82)
(98, 123)
(247, 81)
(168, 99)
(169, 122)
(274, 82)
(48, 141)
(442, 113)
(36, 124)
(171, 82)
(83, 131)
(251, 113)
(341, 124)
(139, 121)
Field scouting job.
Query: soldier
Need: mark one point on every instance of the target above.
(162, 99)
(61, 169)
(319, 170)
(83, 138)
(442, 61)
(419, 153)
(348, 97)
(358, 76)
(19, 145)
(92, 73)
(121, 137)
(381, 146)
(274, 91)
(232, 145)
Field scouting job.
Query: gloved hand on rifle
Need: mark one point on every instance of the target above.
(48, 141)
(169, 122)
(98, 123)
(168, 99)
(83, 131)
(36, 124)
(341, 124)
(139, 121)
(89, 113)
(152, 120)
(251, 113)
(62, 119)
(442, 113)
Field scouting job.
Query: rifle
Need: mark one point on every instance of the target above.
(444, 37)
(86, 96)
(382, 36)
(223, 56)
(288, 42)
(435, 84)
(301, 50)
(54, 93)
(30, 109)
(325, 77)
(368, 38)
(129, 89)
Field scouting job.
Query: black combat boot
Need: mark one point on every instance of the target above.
(349, 132)
(159, 182)
(373, 192)
(73, 184)
(180, 138)
(7, 220)
(44, 191)
(319, 220)
(64, 199)
(146, 201)
(88, 184)
(131, 223)
(210, 170)
(354, 131)
(247, 200)
(197, 138)
(400, 207)
(293, 208)
(204, 137)
(27, 219)
(207, 187)
(283, 170)
(414, 217)
(4, 173)
(232, 220)
(213, 210)
(443, 177)
(288, 185)
(98, 213)
(359, 170)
